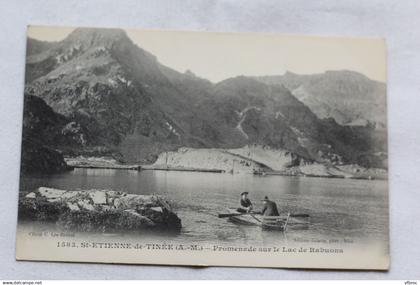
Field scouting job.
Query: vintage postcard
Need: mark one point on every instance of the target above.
(204, 149)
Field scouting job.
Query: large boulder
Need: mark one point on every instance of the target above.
(98, 210)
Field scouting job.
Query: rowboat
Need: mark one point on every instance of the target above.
(279, 223)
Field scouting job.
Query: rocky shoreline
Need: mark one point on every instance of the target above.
(98, 210)
(227, 161)
(98, 162)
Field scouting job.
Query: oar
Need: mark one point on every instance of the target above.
(227, 215)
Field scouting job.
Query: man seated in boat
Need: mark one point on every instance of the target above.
(246, 204)
(270, 207)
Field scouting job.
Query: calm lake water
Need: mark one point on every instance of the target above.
(339, 208)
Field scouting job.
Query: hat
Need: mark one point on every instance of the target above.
(243, 193)
(265, 199)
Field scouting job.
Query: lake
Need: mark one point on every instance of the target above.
(339, 208)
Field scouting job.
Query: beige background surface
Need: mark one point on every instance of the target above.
(395, 20)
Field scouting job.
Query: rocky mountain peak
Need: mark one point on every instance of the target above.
(89, 37)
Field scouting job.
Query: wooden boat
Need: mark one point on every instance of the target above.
(279, 223)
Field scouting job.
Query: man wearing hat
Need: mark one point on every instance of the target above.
(270, 207)
(246, 205)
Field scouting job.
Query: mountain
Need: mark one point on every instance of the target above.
(349, 97)
(122, 101)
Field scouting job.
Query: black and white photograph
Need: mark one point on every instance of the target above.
(204, 149)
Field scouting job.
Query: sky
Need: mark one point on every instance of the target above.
(217, 56)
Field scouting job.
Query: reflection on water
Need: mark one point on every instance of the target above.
(341, 208)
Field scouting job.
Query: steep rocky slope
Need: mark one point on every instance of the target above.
(118, 93)
(247, 111)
